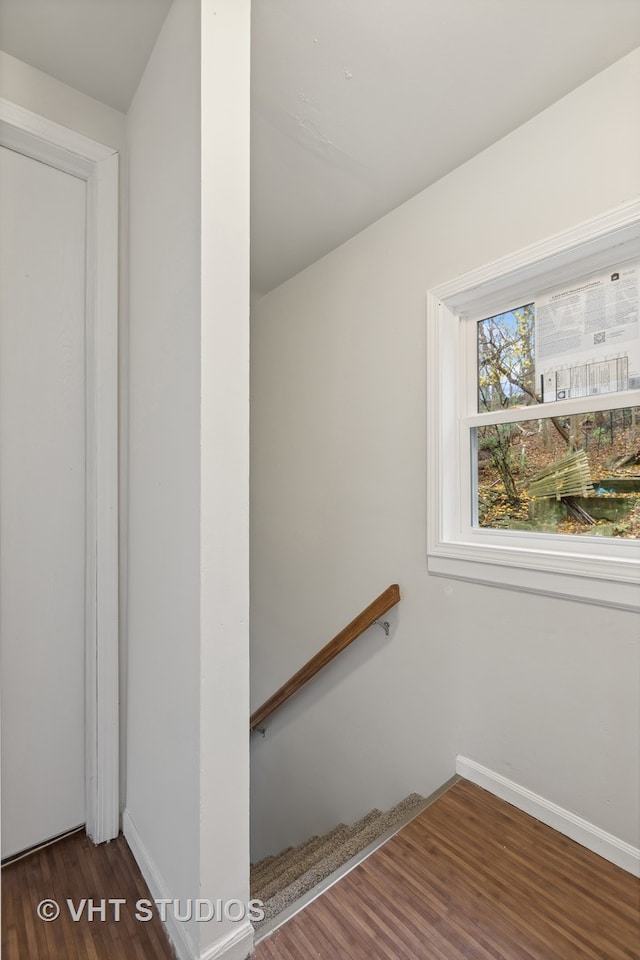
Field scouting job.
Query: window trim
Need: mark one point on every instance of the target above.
(589, 569)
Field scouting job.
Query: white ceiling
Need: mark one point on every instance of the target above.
(97, 46)
(360, 104)
(357, 104)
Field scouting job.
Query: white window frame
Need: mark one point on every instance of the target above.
(593, 569)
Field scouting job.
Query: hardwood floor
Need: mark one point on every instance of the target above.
(472, 877)
(75, 869)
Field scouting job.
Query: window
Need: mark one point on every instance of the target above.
(534, 418)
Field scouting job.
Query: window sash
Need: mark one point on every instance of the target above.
(558, 408)
(593, 569)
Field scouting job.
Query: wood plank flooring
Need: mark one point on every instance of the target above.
(472, 877)
(75, 869)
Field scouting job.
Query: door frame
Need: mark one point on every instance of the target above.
(97, 164)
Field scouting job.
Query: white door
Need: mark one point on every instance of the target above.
(42, 500)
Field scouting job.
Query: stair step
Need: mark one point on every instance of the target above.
(260, 882)
(332, 855)
(283, 861)
(309, 854)
(281, 864)
(267, 864)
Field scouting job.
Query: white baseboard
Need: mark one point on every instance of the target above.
(564, 821)
(177, 932)
(234, 946)
(237, 946)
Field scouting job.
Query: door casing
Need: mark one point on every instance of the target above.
(97, 164)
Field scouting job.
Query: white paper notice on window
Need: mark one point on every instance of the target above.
(588, 335)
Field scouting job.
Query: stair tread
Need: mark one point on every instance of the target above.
(364, 832)
(282, 864)
(271, 866)
(305, 856)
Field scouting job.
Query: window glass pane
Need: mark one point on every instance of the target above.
(578, 474)
(506, 366)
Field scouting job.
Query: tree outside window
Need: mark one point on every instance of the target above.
(578, 474)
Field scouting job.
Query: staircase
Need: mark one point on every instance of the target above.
(289, 880)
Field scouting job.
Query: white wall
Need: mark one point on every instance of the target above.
(163, 722)
(224, 487)
(185, 367)
(187, 757)
(543, 691)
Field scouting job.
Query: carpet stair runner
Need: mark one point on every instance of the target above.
(282, 879)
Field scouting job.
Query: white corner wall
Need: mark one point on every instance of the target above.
(224, 486)
(163, 668)
(543, 691)
(187, 760)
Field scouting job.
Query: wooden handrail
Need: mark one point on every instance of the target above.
(351, 632)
